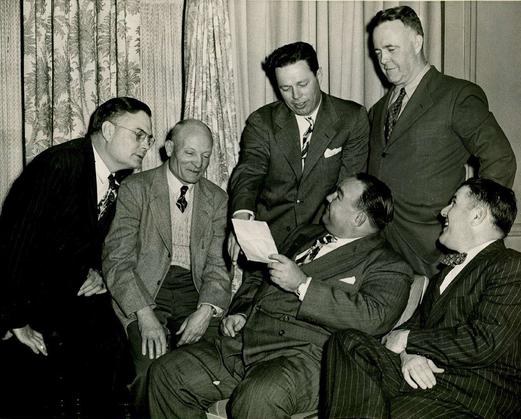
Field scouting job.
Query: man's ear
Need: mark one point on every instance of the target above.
(418, 43)
(319, 75)
(478, 215)
(169, 147)
(107, 129)
(360, 218)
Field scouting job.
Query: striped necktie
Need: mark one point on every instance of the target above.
(392, 114)
(109, 197)
(181, 202)
(306, 138)
(312, 252)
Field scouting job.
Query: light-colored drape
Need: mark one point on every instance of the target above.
(11, 151)
(210, 81)
(337, 30)
(77, 54)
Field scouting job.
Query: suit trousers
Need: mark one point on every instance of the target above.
(185, 382)
(364, 380)
(176, 300)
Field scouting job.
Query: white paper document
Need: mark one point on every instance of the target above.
(255, 239)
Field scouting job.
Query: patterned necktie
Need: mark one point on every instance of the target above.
(453, 259)
(306, 138)
(181, 202)
(392, 114)
(109, 197)
(312, 252)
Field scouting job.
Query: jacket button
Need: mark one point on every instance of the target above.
(384, 154)
(158, 282)
(299, 201)
(281, 332)
(288, 228)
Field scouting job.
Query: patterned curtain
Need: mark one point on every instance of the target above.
(209, 81)
(77, 54)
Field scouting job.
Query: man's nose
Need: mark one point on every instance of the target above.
(330, 197)
(444, 211)
(296, 93)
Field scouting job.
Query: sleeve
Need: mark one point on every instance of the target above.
(120, 253)
(482, 136)
(248, 177)
(356, 148)
(216, 282)
(374, 308)
(485, 336)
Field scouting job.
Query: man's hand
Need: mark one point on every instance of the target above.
(419, 371)
(233, 324)
(93, 284)
(195, 325)
(286, 273)
(233, 246)
(33, 339)
(153, 337)
(396, 340)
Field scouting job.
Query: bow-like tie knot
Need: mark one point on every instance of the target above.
(453, 259)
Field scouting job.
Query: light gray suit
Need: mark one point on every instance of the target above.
(137, 252)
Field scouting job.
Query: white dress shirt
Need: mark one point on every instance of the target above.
(102, 175)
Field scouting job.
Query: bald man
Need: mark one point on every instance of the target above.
(163, 255)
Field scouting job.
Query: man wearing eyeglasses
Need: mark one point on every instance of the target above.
(163, 258)
(60, 333)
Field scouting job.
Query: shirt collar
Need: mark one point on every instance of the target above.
(174, 183)
(410, 87)
(102, 171)
(313, 114)
(472, 253)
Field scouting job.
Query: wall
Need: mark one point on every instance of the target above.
(482, 41)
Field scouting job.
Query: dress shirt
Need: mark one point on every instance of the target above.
(410, 88)
(102, 175)
(181, 222)
(324, 250)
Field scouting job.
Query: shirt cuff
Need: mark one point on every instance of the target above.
(303, 289)
(217, 311)
(403, 336)
(244, 211)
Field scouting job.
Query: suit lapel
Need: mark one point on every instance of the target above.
(200, 216)
(324, 130)
(90, 178)
(420, 102)
(160, 205)
(288, 138)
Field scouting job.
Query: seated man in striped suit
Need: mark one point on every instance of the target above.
(460, 354)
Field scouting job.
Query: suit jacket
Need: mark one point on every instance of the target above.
(50, 237)
(473, 330)
(362, 285)
(445, 122)
(269, 180)
(137, 251)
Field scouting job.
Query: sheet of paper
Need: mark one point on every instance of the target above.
(255, 239)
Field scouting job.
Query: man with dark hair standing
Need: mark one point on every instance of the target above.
(341, 275)
(163, 257)
(460, 354)
(423, 132)
(295, 151)
(54, 305)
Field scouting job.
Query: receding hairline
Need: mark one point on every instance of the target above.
(193, 124)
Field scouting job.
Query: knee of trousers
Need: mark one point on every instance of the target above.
(348, 339)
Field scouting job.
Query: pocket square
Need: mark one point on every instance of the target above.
(348, 280)
(330, 152)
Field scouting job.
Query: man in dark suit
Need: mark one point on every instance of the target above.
(295, 151)
(423, 132)
(344, 276)
(460, 354)
(163, 257)
(54, 305)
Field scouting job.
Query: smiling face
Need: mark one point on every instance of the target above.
(190, 155)
(341, 213)
(123, 148)
(399, 51)
(458, 220)
(299, 87)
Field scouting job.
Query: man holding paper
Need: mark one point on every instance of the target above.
(340, 275)
(163, 257)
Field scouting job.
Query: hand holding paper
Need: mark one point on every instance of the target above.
(255, 239)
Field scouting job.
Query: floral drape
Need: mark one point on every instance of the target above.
(77, 54)
(209, 81)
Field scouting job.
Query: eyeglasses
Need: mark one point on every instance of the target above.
(141, 136)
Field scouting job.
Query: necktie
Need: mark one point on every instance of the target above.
(453, 259)
(312, 252)
(181, 202)
(109, 197)
(392, 114)
(306, 138)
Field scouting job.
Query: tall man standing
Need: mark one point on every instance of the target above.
(423, 131)
(163, 257)
(295, 151)
(460, 354)
(53, 299)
